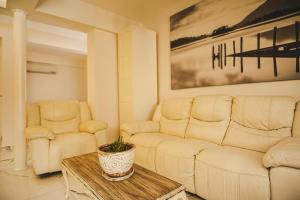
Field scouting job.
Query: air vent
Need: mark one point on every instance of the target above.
(41, 68)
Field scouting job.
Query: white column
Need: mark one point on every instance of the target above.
(137, 67)
(102, 79)
(19, 58)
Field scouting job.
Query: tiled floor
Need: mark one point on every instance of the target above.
(25, 185)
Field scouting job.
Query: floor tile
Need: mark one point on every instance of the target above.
(13, 187)
(54, 195)
(39, 185)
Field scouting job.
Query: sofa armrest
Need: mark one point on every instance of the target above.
(285, 153)
(92, 126)
(140, 127)
(126, 137)
(35, 132)
(39, 155)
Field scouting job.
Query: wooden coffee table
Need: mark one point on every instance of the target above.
(142, 185)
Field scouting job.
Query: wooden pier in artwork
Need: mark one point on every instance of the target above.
(287, 50)
(219, 56)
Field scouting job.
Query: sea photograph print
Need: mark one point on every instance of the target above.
(229, 42)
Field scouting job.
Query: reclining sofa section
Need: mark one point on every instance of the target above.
(223, 147)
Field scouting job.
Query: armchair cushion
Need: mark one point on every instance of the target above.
(285, 153)
(60, 116)
(92, 126)
(34, 132)
(140, 127)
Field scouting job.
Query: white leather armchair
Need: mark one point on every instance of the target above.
(61, 129)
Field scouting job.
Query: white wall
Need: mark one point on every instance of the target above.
(160, 23)
(65, 84)
(68, 83)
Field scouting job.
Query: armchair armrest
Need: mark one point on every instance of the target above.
(35, 132)
(285, 153)
(140, 127)
(92, 126)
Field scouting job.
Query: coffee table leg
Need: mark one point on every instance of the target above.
(180, 196)
(183, 195)
(65, 175)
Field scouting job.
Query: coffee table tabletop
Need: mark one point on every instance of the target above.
(143, 184)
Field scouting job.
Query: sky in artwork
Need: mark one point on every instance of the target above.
(211, 14)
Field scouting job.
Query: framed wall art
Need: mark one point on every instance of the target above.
(233, 42)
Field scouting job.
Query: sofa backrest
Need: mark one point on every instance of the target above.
(58, 116)
(210, 117)
(259, 122)
(157, 113)
(296, 123)
(33, 117)
(174, 116)
(85, 113)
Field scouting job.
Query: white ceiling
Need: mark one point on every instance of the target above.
(137, 10)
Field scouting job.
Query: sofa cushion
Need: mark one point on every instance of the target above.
(210, 118)
(175, 159)
(92, 126)
(254, 139)
(176, 109)
(175, 115)
(235, 173)
(212, 108)
(59, 110)
(60, 116)
(146, 144)
(257, 123)
(173, 127)
(262, 112)
(59, 127)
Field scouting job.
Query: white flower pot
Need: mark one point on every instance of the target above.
(116, 166)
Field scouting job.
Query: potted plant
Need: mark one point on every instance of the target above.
(116, 160)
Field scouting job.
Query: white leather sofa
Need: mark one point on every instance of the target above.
(222, 147)
(61, 129)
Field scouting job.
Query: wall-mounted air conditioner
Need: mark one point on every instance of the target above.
(41, 68)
